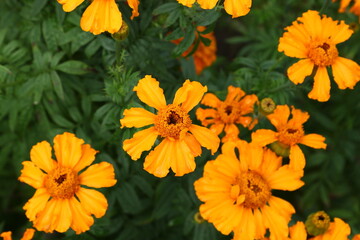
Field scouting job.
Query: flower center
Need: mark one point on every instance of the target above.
(229, 112)
(62, 183)
(171, 120)
(290, 135)
(322, 53)
(253, 187)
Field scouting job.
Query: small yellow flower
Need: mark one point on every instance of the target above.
(28, 235)
(313, 39)
(181, 140)
(289, 133)
(224, 115)
(60, 202)
(236, 8)
(237, 192)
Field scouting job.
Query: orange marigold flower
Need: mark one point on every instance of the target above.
(101, 15)
(204, 55)
(60, 202)
(354, 9)
(356, 237)
(28, 235)
(236, 8)
(313, 39)
(224, 115)
(237, 191)
(289, 134)
(171, 122)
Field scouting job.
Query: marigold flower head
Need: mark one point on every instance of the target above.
(289, 133)
(313, 39)
(237, 192)
(181, 140)
(236, 8)
(60, 202)
(204, 56)
(224, 115)
(344, 4)
(28, 235)
(101, 15)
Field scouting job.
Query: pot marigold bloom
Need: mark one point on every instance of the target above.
(313, 39)
(182, 140)
(224, 115)
(204, 56)
(237, 192)
(28, 235)
(235, 8)
(101, 15)
(289, 134)
(60, 202)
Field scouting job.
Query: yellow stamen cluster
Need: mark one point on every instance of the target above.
(62, 183)
(322, 53)
(291, 135)
(171, 120)
(251, 190)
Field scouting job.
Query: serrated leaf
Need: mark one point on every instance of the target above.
(37, 6)
(73, 67)
(128, 199)
(50, 33)
(167, 7)
(186, 42)
(57, 85)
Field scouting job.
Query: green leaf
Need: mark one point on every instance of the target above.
(186, 42)
(50, 33)
(37, 6)
(73, 67)
(128, 199)
(167, 7)
(57, 85)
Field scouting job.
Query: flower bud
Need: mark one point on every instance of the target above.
(123, 32)
(267, 106)
(317, 223)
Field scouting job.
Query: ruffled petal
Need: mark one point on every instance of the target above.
(36, 204)
(234, 94)
(28, 234)
(346, 72)
(69, 5)
(263, 137)
(81, 220)
(150, 93)
(231, 133)
(193, 144)
(339, 33)
(294, 42)
(270, 163)
(246, 229)
(64, 215)
(87, 157)
(94, 202)
(298, 117)
(68, 149)
(46, 220)
(134, 4)
(211, 100)
(40, 154)
(298, 71)
(280, 116)
(217, 128)
(321, 89)
(101, 16)
(207, 116)
(297, 158)
(189, 95)
(6, 235)
(312, 23)
(276, 223)
(32, 175)
(237, 8)
(206, 138)
(207, 4)
(187, 3)
(282, 207)
(158, 160)
(137, 117)
(314, 140)
(338, 230)
(141, 141)
(98, 175)
(182, 158)
(286, 179)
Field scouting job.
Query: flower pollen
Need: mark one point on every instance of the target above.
(322, 53)
(255, 189)
(62, 183)
(171, 120)
(291, 135)
(229, 112)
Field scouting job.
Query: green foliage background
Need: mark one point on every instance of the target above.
(55, 78)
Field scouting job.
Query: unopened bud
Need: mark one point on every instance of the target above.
(123, 32)
(317, 223)
(198, 218)
(280, 149)
(267, 106)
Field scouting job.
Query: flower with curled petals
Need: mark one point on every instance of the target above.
(60, 202)
(289, 134)
(313, 39)
(224, 115)
(237, 192)
(236, 8)
(28, 235)
(181, 140)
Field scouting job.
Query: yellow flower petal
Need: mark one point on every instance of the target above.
(92, 201)
(206, 138)
(338, 230)
(87, 157)
(285, 178)
(312, 22)
(314, 140)
(36, 204)
(280, 116)
(134, 4)
(183, 160)
(294, 42)
(150, 93)
(207, 4)
(217, 128)
(246, 227)
(28, 234)
(321, 89)
(101, 16)
(68, 149)
(282, 207)
(298, 117)
(187, 3)
(40, 154)
(237, 8)
(137, 117)
(263, 137)
(81, 221)
(298, 71)
(276, 223)
(270, 163)
(234, 94)
(189, 95)
(298, 231)
(211, 100)
(231, 133)
(70, 5)
(46, 219)
(98, 175)
(297, 158)
(340, 32)
(346, 73)
(158, 160)
(32, 175)
(6, 235)
(63, 216)
(141, 141)
(193, 144)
